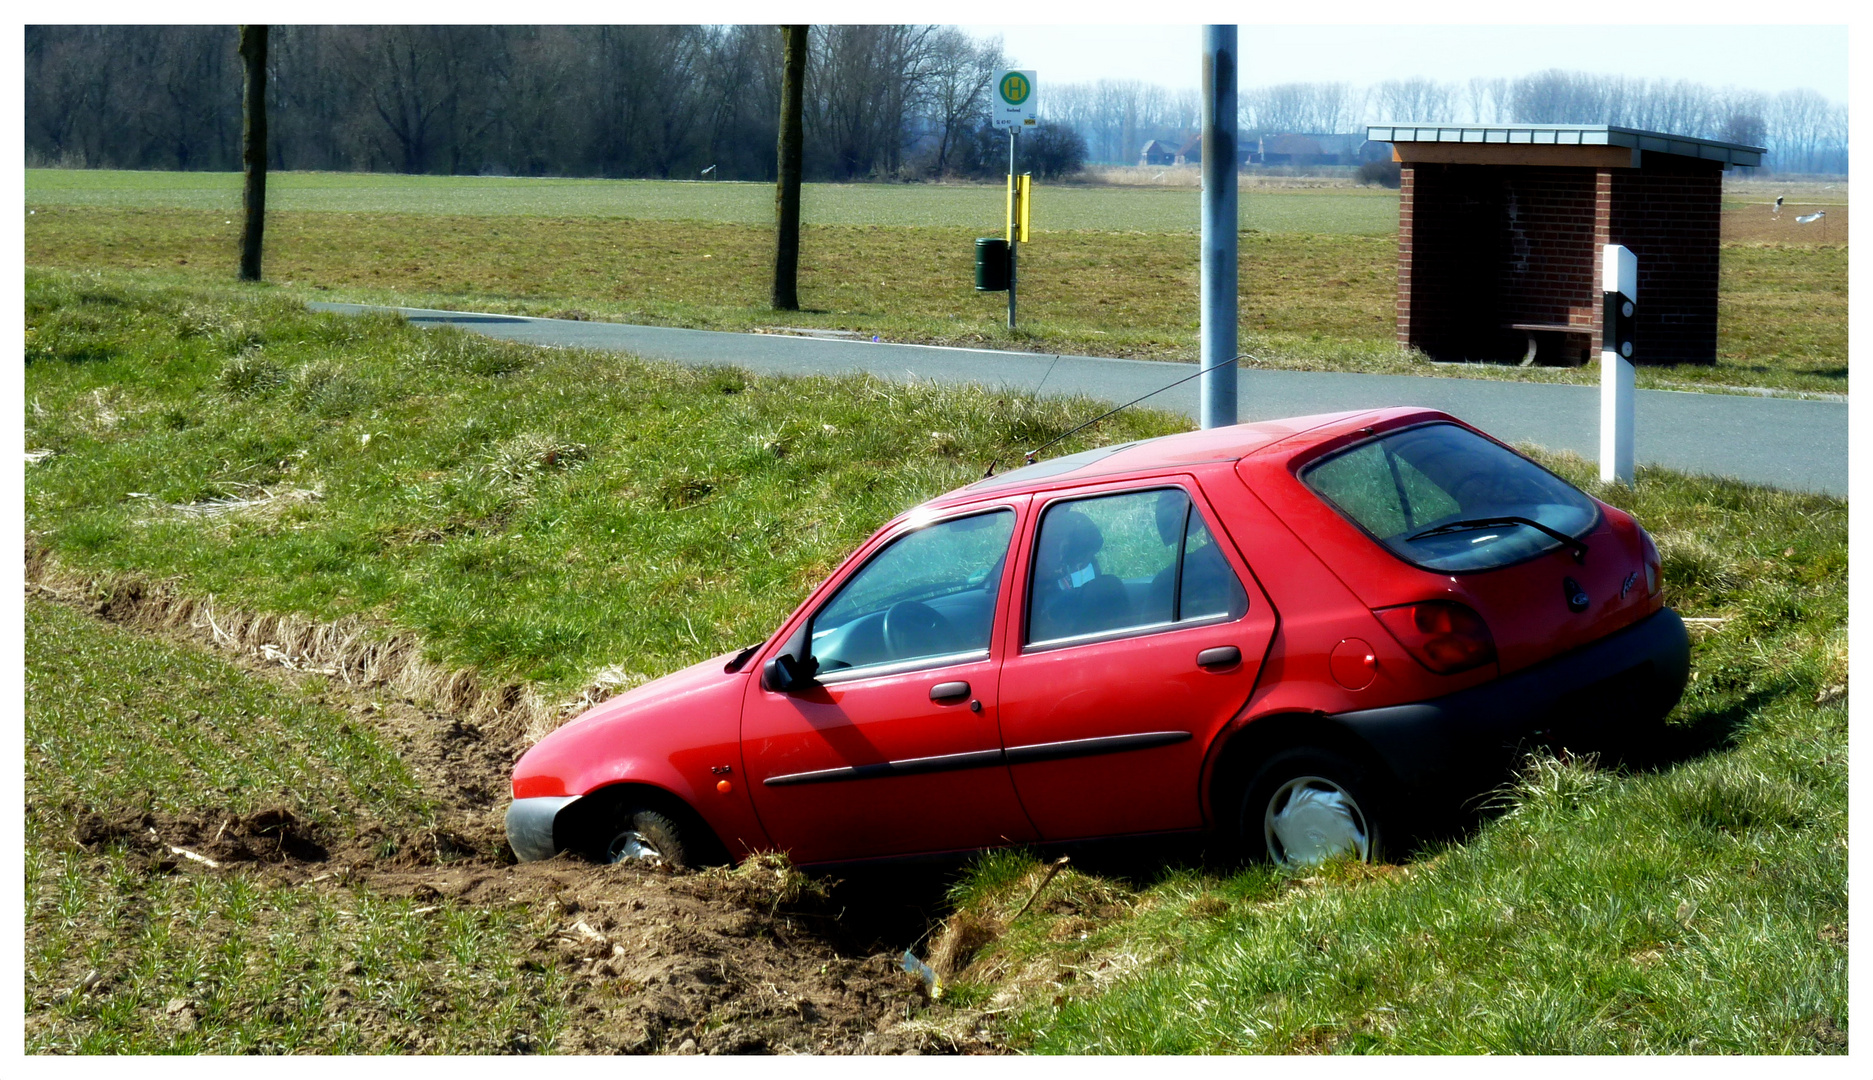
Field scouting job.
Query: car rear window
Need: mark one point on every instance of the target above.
(1442, 497)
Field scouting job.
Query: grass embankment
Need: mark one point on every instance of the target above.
(1692, 903)
(545, 513)
(124, 954)
(1112, 271)
(536, 514)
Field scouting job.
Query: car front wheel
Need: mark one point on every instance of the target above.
(1307, 805)
(645, 838)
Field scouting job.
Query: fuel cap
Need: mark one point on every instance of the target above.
(1354, 664)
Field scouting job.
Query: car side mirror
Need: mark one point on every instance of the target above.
(787, 674)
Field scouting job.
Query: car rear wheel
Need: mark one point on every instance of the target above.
(1306, 805)
(645, 838)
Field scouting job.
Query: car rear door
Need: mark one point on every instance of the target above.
(1109, 699)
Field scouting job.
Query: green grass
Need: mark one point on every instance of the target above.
(1693, 906)
(534, 513)
(976, 207)
(543, 513)
(119, 723)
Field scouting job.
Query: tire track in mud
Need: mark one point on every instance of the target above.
(753, 959)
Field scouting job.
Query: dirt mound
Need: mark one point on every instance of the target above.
(271, 836)
(717, 961)
(755, 959)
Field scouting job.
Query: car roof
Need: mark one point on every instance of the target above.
(1230, 443)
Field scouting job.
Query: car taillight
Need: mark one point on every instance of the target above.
(1444, 636)
(1654, 575)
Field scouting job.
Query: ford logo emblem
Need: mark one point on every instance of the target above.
(1577, 599)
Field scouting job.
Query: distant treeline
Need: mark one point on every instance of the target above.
(672, 101)
(617, 101)
(1805, 133)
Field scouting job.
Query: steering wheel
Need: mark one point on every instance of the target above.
(916, 629)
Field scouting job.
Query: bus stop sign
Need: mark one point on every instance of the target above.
(1014, 100)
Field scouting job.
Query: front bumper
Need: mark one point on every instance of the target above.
(1616, 686)
(530, 826)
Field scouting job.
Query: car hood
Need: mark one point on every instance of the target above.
(667, 732)
(664, 692)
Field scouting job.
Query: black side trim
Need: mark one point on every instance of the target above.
(976, 759)
(1110, 744)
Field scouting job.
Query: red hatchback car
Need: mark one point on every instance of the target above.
(1288, 632)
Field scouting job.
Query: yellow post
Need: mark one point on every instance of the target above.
(1024, 191)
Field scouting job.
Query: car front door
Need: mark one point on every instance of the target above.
(894, 747)
(1140, 634)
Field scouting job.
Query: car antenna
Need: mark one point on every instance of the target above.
(1032, 454)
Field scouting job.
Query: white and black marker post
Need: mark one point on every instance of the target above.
(1619, 283)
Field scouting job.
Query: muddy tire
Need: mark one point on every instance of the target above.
(641, 837)
(1306, 804)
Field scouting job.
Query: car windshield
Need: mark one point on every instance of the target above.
(1445, 498)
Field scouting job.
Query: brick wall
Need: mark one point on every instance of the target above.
(1669, 214)
(1547, 258)
(1481, 247)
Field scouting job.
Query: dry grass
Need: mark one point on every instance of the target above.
(1759, 223)
(1311, 301)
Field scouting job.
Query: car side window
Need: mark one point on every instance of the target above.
(1209, 587)
(929, 593)
(1126, 562)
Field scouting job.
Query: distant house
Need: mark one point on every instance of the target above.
(1191, 153)
(1305, 149)
(1158, 152)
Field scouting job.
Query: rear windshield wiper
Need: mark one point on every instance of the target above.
(1574, 544)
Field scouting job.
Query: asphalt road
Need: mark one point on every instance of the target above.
(1780, 442)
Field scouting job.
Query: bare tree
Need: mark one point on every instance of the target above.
(869, 81)
(961, 72)
(1414, 99)
(253, 148)
(1488, 100)
(1320, 108)
(787, 189)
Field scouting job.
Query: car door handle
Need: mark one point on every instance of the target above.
(949, 691)
(1221, 656)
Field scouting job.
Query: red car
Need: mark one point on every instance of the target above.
(1287, 632)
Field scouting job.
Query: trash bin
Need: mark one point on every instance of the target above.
(991, 264)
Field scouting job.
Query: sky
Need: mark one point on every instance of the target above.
(1766, 58)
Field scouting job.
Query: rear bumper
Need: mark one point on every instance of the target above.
(530, 826)
(1616, 686)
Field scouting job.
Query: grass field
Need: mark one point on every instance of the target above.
(216, 439)
(978, 208)
(1112, 272)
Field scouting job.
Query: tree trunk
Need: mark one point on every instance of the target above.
(787, 189)
(253, 147)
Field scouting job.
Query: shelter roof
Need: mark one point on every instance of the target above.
(1656, 142)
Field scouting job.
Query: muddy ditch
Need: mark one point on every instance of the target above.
(753, 959)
